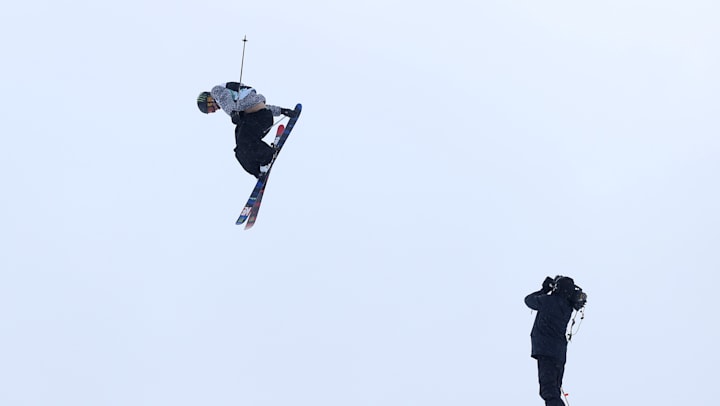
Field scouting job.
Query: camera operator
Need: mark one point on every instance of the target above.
(554, 304)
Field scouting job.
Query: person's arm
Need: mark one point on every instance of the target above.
(533, 300)
(277, 110)
(223, 97)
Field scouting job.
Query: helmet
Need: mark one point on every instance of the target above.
(202, 101)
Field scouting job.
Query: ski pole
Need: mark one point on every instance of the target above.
(242, 62)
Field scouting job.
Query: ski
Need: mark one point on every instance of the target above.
(252, 207)
(255, 209)
(259, 190)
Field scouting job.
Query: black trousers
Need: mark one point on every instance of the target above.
(550, 374)
(250, 150)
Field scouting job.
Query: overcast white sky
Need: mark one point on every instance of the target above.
(450, 156)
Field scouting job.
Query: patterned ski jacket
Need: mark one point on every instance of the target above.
(234, 96)
(548, 332)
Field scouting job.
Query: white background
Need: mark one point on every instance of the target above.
(450, 155)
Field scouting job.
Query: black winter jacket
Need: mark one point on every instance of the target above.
(548, 332)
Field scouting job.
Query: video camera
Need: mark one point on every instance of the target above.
(566, 286)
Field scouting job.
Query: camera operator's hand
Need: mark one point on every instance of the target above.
(547, 284)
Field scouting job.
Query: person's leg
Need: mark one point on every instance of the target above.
(244, 157)
(250, 150)
(550, 377)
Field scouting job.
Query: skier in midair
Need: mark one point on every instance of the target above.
(252, 118)
(554, 304)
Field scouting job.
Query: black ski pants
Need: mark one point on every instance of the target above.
(550, 374)
(250, 150)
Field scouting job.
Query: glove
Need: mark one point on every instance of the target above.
(289, 113)
(237, 116)
(547, 284)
